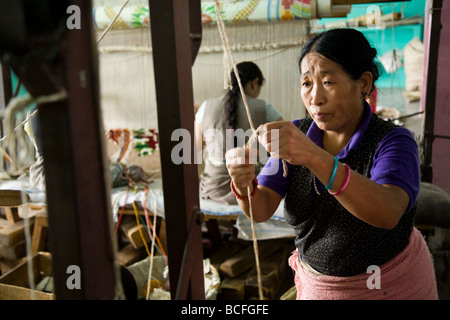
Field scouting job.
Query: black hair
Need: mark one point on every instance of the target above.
(248, 71)
(347, 47)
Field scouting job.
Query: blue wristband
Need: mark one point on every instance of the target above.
(334, 173)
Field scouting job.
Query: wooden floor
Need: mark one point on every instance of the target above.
(235, 261)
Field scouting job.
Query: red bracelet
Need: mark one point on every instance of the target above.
(244, 198)
(345, 183)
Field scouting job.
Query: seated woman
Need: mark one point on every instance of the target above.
(351, 186)
(219, 121)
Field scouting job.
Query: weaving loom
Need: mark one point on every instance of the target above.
(125, 95)
(125, 50)
(128, 95)
(136, 15)
(276, 227)
(273, 43)
(149, 162)
(142, 152)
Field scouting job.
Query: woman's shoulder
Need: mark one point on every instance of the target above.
(399, 141)
(399, 135)
(389, 132)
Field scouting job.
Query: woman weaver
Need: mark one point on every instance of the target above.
(351, 185)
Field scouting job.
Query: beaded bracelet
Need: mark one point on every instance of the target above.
(334, 174)
(244, 198)
(345, 183)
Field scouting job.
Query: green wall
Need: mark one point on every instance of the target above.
(385, 40)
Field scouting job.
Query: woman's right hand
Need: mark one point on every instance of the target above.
(240, 164)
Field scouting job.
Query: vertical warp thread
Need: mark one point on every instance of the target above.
(227, 48)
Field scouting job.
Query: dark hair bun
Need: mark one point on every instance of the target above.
(347, 47)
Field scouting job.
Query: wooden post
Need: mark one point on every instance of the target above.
(171, 22)
(5, 86)
(84, 162)
(432, 33)
(78, 199)
(5, 92)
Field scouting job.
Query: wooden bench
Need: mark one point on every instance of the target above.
(17, 208)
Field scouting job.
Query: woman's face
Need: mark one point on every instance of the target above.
(331, 96)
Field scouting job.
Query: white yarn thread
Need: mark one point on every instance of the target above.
(227, 50)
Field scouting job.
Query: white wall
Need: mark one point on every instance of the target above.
(127, 81)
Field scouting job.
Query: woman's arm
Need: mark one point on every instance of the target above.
(264, 201)
(379, 205)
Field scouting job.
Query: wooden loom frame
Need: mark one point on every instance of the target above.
(78, 199)
(77, 194)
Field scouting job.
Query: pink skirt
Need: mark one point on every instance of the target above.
(408, 276)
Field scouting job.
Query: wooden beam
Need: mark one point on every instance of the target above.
(40, 230)
(13, 198)
(172, 60)
(61, 202)
(5, 91)
(341, 2)
(78, 199)
(5, 86)
(432, 34)
(86, 163)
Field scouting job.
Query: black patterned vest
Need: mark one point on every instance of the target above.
(329, 238)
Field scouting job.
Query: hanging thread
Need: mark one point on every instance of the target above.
(28, 240)
(151, 228)
(229, 54)
(121, 211)
(139, 229)
(150, 270)
(227, 51)
(112, 22)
